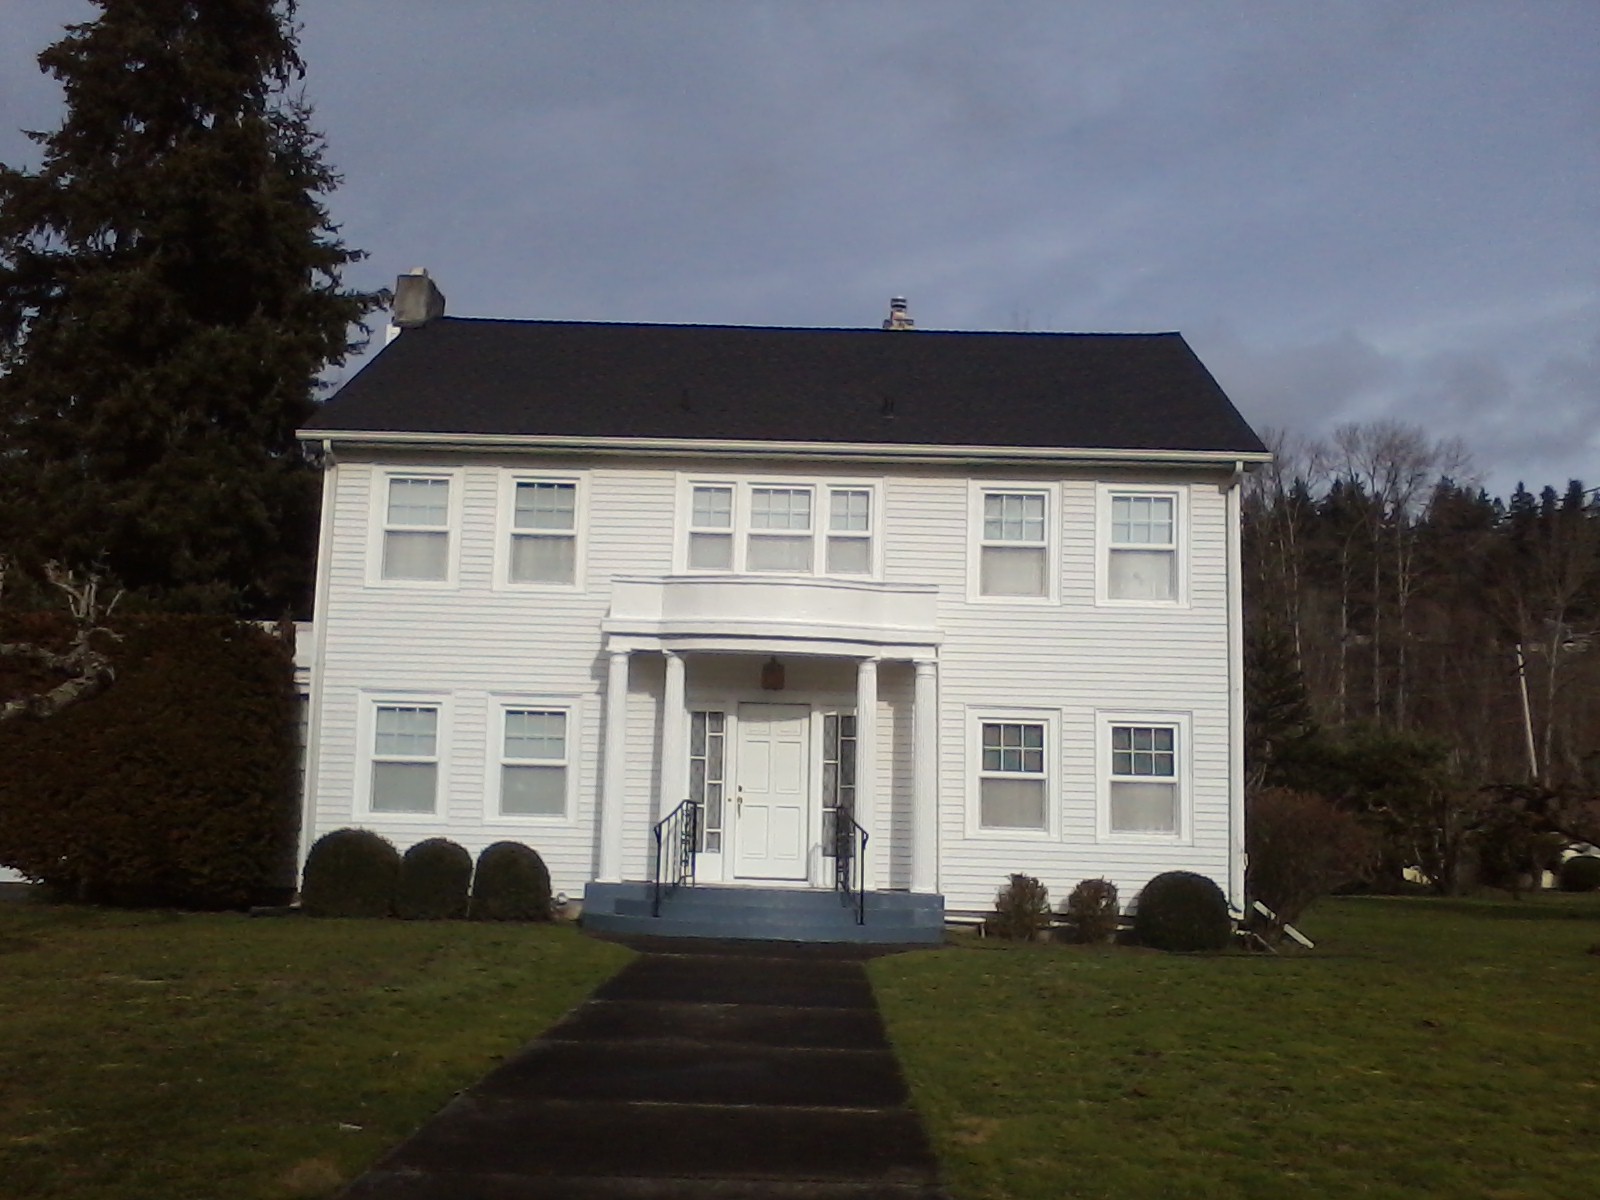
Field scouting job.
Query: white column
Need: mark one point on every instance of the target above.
(867, 764)
(674, 735)
(925, 780)
(613, 770)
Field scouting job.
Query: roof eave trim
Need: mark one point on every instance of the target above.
(721, 447)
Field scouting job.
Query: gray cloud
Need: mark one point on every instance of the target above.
(1353, 210)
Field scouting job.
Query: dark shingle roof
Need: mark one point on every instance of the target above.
(700, 382)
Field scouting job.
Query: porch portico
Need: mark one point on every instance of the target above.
(770, 695)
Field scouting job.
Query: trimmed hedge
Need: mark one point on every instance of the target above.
(1182, 911)
(1581, 873)
(350, 873)
(435, 878)
(1093, 912)
(510, 884)
(1021, 910)
(178, 784)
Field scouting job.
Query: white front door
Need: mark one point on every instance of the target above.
(771, 800)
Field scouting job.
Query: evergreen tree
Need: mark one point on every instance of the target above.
(169, 291)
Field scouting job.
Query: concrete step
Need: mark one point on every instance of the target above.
(776, 914)
(687, 1073)
(410, 1185)
(729, 1024)
(490, 1135)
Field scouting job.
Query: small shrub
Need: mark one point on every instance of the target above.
(1302, 847)
(1182, 911)
(1581, 873)
(511, 884)
(1093, 912)
(435, 876)
(1021, 910)
(350, 873)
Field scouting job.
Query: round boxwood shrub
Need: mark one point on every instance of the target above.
(1581, 873)
(1179, 910)
(435, 876)
(1021, 910)
(350, 873)
(1092, 911)
(511, 884)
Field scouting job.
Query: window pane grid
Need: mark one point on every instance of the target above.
(712, 508)
(780, 509)
(1142, 521)
(546, 507)
(406, 732)
(536, 736)
(1014, 517)
(849, 511)
(1144, 751)
(419, 503)
(1013, 748)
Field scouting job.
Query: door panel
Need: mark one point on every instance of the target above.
(772, 799)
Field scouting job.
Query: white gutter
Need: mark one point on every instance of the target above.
(1235, 582)
(319, 618)
(691, 447)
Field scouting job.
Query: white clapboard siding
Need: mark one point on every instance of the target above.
(473, 644)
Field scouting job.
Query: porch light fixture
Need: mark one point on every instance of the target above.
(772, 675)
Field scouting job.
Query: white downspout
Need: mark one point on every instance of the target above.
(319, 658)
(1235, 584)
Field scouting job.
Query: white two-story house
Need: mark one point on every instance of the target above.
(974, 596)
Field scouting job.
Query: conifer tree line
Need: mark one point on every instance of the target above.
(1424, 649)
(170, 289)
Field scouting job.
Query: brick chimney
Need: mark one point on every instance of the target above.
(417, 300)
(898, 318)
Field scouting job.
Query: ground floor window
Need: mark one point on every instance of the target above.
(405, 758)
(708, 734)
(838, 775)
(1013, 783)
(533, 762)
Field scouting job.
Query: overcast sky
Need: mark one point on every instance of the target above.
(1352, 210)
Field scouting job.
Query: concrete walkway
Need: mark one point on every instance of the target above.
(735, 1070)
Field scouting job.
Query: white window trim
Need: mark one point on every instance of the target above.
(504, 702)
(505, 516)
(1183, 723)
(378, 525)
(1179, 496)
(1053, 762)
(976, 491)
(361, 809)
(743, 485)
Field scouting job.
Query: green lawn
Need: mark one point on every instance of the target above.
(172, 1056)
(1426, 1048)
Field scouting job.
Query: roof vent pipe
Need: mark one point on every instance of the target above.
(898, 318)
(417, 300)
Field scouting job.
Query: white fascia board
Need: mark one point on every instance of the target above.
(857, 451)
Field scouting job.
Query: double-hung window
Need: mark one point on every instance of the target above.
(534, 761)
(1144, 765)
(780, 537)
(781, 528)
(405, 758)
(1013, 542)
(544, 532)
(849, 531)
(416, 528)
(1142, 546)
(1013, 775)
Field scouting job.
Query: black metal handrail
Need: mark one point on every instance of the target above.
(677, 843)
(849, 863)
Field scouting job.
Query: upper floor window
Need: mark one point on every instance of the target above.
(781, 528)
(416, 528)
(1142, 562)
(544, 532)
(1014, 544)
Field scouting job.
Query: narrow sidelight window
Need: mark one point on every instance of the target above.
(838, 775)
(707, 743)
